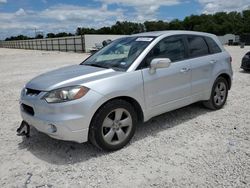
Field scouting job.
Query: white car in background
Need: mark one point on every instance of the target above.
(130, 80)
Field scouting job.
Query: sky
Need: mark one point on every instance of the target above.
(26, 16)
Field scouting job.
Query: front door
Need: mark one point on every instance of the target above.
(167, 88)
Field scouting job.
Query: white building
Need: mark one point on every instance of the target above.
(229, 37)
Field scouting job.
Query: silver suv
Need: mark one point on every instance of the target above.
(131, 80)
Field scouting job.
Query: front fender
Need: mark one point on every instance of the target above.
(128, 84)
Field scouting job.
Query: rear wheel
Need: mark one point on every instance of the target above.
(218, 95)
(113, 125)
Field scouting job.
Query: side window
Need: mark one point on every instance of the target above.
(213, 46)
(197, 46)
(170, 47)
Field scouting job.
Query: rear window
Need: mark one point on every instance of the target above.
(213, 46)
(197, 46)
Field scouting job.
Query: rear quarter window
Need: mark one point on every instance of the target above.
(197, 46)
(213, 46)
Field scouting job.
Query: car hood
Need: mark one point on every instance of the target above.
(69, 76)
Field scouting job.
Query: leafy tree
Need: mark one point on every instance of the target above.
(176, 25)
(219, 23)
(246, 21)
(39, 36)
(156, 25)
(19, 37)
(50, 35)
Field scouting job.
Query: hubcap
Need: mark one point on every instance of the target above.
(116, 126)
(220, 93)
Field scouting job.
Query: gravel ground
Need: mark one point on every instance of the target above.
(189, 147)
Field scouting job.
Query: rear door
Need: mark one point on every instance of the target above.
(201, 63)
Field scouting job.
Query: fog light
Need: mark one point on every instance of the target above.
(52, 128)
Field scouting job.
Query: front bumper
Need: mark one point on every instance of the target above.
(62, 132)
(71, 119)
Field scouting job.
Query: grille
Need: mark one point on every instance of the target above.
(32, 92)
(28, 109)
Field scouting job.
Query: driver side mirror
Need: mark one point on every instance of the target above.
(158, 63)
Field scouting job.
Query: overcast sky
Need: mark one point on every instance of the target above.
(24, 16)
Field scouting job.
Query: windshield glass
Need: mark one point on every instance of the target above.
(119, 54)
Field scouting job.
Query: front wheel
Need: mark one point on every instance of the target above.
(218, 95)
(113, 125)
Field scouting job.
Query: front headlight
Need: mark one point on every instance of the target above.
(23, 92)
(66, 94)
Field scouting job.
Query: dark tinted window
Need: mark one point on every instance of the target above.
(213, 46)
(170, 47)
(197, 46)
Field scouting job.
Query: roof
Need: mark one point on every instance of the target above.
(171, 32)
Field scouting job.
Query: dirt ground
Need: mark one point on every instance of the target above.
(189, 147)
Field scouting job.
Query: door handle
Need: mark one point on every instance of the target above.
(213, 61)
(183, 70)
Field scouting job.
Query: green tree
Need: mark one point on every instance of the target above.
(39, 36)
(19, 37)
(176, 25)
(219, 23)
(156, 25)
(50, 35)
(246, 21)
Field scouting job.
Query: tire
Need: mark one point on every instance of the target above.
(218, 95)
(113, 125)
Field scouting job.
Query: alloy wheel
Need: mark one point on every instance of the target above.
(220, 93)
(116, 126)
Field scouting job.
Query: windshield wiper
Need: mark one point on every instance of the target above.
(95, 65)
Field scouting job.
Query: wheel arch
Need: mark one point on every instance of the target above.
(227, 78)
(136, 105)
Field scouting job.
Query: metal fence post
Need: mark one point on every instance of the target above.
(58, 41)
(82, 43)
(74, 44)
(66, 47)
(46, 42)
(52, 45)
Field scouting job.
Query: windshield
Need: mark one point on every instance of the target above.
(119, 54)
